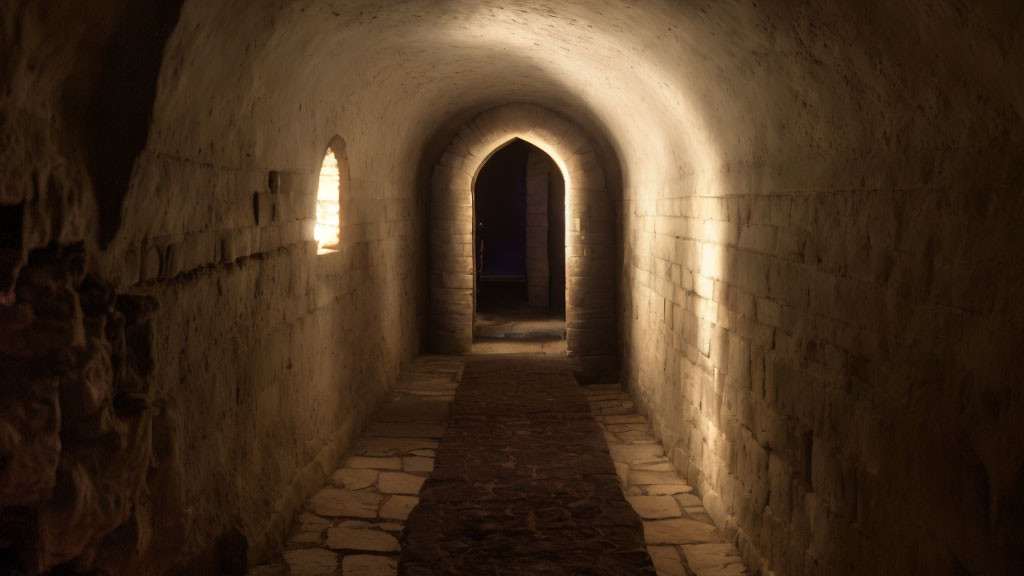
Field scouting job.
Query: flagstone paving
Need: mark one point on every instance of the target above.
(680, 535)
(356, 524)
(351, 526)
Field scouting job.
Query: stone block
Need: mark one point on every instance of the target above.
(678, 531)
(368, 565)
(311, 562)
(654, 507)
(769, 312)
(332, 502)
(354, 479)
(398, 507)
(360, 540)
(789, 284)
(400, 483)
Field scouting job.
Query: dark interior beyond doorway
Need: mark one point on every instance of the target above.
(519, 203)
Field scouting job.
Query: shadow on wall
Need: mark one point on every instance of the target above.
(499, 196)
(111, 91)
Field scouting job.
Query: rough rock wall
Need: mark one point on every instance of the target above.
(173, 393)
(84, 440)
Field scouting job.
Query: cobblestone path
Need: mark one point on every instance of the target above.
(523, 483)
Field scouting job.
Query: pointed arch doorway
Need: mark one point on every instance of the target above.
(519, 245)
(590, 234)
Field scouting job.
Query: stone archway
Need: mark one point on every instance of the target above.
(589, 233)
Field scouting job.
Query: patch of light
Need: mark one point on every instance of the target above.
(711, 260)
(554, 155)
(328, 209)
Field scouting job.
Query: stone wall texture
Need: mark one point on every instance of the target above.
(812, 219)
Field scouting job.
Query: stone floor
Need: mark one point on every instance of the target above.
(519, 326)
(354, 525)
(523, 484)
(681, 538)
(554, 348)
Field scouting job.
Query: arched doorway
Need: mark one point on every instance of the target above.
(519, 250)
(590, 237)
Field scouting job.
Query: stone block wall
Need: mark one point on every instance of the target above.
(207, 416)
(591, 249)
(828, 369)
(276, 354)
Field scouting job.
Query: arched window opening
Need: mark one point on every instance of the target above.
(333, 176)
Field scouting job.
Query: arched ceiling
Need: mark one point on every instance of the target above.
(744, 95)
(674, 87)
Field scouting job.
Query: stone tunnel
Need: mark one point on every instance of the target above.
(792, 249)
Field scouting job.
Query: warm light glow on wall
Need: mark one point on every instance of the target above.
(546, 147)
(328, 208)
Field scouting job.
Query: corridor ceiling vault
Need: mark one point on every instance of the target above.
(817, 260)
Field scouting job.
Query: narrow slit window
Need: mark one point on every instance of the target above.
(328, 204)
